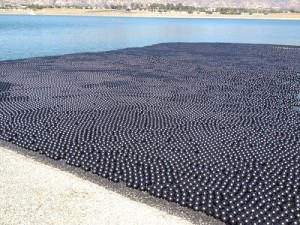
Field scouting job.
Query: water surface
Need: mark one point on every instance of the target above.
(26, 36)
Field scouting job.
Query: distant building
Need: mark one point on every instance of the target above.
(211, 10)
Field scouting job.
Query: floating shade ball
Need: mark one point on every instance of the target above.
(212, 127)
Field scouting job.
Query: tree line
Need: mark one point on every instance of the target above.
(157, 7)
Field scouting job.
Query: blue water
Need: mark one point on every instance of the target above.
(30, 36)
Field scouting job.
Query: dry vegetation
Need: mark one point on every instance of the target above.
(145, 13)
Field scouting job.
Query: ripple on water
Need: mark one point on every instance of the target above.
(32, 36)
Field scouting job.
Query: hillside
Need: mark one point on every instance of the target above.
(282, 4)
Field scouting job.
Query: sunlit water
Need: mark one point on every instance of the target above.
(30, 36)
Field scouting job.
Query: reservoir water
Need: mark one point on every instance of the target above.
(31, 36)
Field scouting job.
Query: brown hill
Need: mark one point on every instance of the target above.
(281, 4)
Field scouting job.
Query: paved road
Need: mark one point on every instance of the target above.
(35, 193)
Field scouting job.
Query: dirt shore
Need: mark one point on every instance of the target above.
(140, 13)
(35, 193)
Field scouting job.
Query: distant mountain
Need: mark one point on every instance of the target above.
(282, 4)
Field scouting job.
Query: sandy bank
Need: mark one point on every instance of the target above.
(34, 193)
(139, 13)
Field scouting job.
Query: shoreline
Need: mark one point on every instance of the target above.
(143, 199)
(57, 191)
(147, 14)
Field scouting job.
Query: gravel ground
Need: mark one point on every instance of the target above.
(35, 193)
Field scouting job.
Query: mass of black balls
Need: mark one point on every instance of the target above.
(213, 127)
